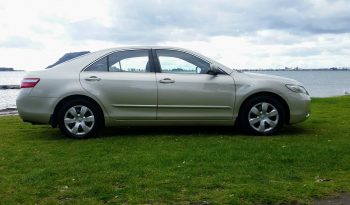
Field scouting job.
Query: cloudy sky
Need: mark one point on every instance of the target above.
(242, 34)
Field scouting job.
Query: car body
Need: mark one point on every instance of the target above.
(134, 86)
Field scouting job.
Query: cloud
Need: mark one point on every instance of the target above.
(19, 42)
(240, 33)
(157, 21)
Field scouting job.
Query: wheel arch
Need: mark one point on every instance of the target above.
(53, 119)
(271, 94)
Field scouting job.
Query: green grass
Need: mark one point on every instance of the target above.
(192, 165)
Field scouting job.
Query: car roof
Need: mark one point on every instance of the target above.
(80, 62)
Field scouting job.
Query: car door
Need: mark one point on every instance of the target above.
(125, 83)
(187, 92)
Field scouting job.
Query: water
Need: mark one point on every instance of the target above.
(318, 83)
(8, 97)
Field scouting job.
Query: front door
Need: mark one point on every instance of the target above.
(125, 83)
(187, 92)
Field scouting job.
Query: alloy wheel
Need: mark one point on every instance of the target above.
(263, 117)
(79, 120)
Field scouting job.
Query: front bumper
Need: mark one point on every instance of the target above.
(299, 107)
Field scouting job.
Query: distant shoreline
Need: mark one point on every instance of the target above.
(6, 87)
(11, 70)
(311, 69)
(8, 111)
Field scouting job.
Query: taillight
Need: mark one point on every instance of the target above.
(29, 82)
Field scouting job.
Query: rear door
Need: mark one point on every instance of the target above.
(187, 92)
(125, 83)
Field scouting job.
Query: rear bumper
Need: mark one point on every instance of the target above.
(36, 110)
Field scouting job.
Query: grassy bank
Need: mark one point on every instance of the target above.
(178, 165)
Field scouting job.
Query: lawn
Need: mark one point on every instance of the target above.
(193, 165)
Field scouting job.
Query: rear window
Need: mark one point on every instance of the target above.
(100, 65)
(123, 61)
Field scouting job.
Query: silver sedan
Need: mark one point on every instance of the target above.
(144, 86)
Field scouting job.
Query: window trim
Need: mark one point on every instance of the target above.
(93, 62)
(156, 61)
(159, 68)
(150, 60)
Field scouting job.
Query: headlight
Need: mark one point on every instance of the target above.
(297, 88)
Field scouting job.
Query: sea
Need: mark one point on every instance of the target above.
(318, 83)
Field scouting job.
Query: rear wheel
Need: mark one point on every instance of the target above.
(79, 119)
(262, 115)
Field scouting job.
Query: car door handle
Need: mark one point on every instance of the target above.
(93, 78)
(167, 80)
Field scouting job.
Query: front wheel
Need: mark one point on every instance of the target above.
(79, 119)
(262, 115)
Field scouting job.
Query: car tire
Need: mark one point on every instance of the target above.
(80, 119)
(262, 115)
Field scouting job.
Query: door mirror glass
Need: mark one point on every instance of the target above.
(214, 69)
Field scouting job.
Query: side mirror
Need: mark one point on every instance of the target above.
(214, 69)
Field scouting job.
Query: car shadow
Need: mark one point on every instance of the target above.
(207, 131)
(171, 131)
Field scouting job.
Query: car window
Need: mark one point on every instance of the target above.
(129, 61)
(123, 61)
(100, 65)
(180, 62)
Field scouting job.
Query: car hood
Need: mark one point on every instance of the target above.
(272, 77)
